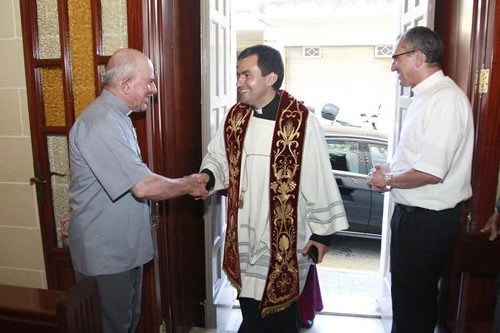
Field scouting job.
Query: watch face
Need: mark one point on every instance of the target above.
(388, 180)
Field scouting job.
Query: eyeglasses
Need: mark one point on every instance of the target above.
(395, 56)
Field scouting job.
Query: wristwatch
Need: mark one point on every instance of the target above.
(388, 180)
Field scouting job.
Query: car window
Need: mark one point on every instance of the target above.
(378, 153)
(344, 155)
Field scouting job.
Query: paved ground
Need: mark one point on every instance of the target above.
(353, 253)
(349, 277)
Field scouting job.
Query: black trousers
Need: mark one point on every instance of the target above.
(286, 321)
(422, 243)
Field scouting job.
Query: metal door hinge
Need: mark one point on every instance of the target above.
(484, 77)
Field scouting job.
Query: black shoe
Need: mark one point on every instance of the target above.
(308, 324)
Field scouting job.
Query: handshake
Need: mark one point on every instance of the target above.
(197, 185)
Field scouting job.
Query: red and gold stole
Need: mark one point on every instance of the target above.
(282, 284)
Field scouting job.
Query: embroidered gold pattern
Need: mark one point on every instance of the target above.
(235, 128)
(282, 286)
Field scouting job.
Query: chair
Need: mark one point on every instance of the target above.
(79, 309)
(474, 255)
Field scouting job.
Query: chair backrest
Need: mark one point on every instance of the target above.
(79, 309)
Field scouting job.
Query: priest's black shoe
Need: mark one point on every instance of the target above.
(308, 324)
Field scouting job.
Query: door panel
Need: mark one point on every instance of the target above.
(471, 31)
(66, 45)
(217, 97)
(351, 159)
(356, 197)
(60, 72)
(348, 162)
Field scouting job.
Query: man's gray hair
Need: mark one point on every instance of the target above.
(427, 41)
(122, 65)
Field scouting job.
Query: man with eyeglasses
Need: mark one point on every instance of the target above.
(428, 178)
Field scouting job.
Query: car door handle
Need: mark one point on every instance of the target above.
(354, 180)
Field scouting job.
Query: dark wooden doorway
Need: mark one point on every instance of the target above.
(471, 36)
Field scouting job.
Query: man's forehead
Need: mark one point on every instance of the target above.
(247, 63)
(249, 59)
(401, 44)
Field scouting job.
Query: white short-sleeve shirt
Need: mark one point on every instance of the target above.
(437, 138)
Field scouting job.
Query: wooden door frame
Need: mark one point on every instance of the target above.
(470, 43)
(471, 37)
(171, 34)
(487, 115)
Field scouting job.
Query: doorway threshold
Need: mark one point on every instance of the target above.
(349, 292)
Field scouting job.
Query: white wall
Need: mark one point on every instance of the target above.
(21, 254)
(347, 76)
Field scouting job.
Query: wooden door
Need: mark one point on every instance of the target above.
(217, 96)
(63, 67)
(471, 36)
(171, 33)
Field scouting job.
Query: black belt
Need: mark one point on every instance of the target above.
(413, 209)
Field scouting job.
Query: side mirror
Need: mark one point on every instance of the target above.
(330, 111)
